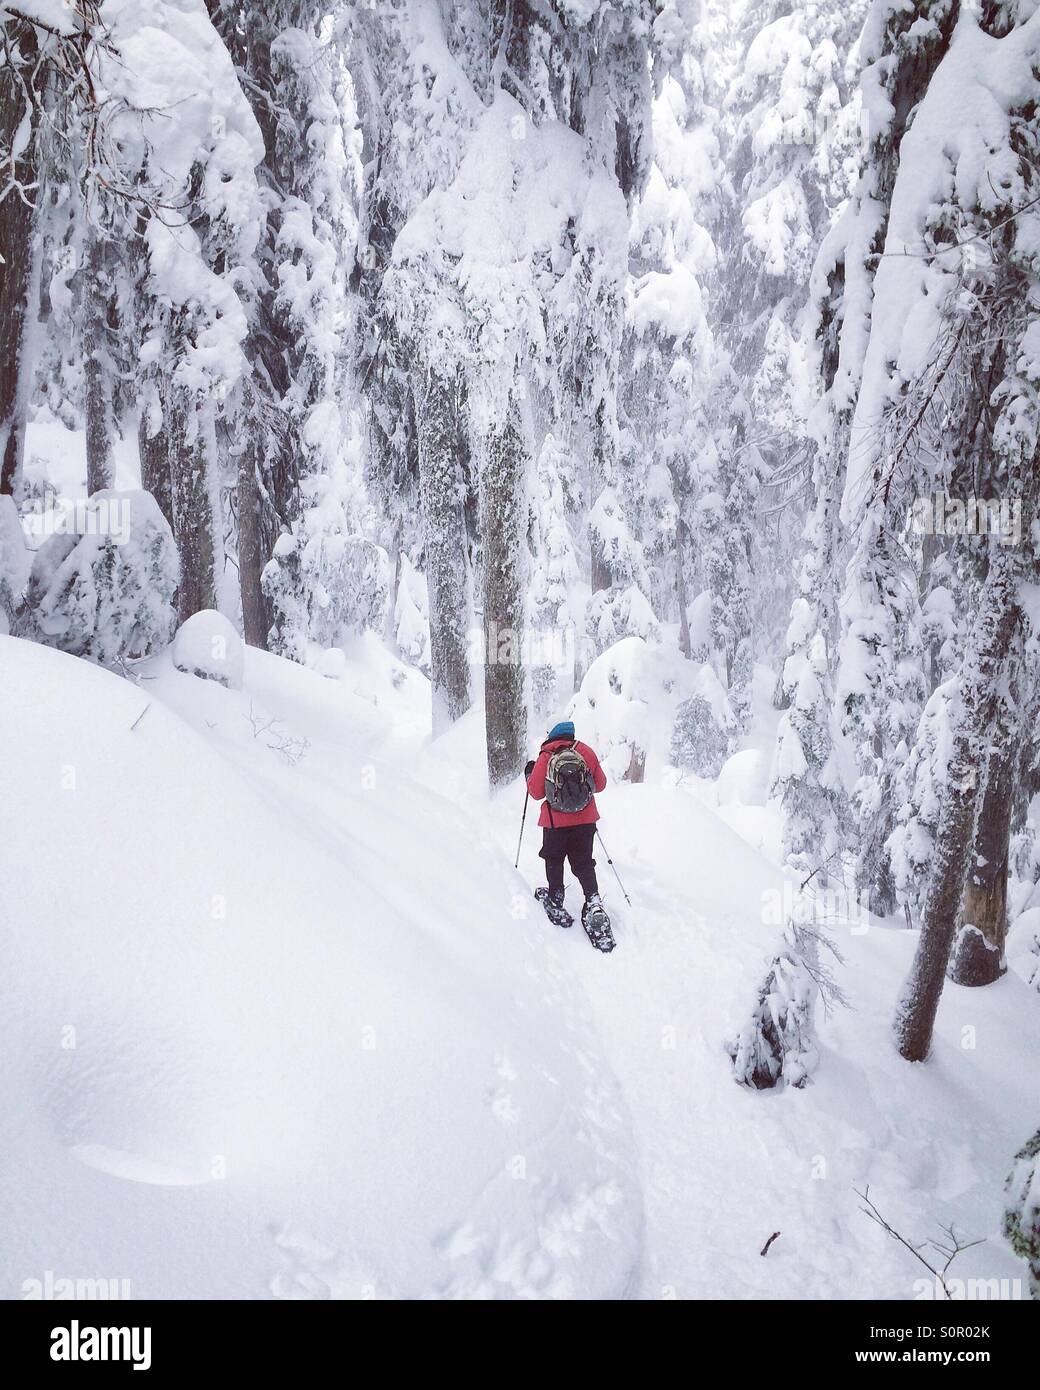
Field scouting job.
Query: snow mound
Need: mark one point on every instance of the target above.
(207, 645)
(332, 664)
(743, 779)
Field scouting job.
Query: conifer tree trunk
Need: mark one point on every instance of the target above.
(253, 553)
(600, 576)
(680, 589)
(981, 673)
(503, 524)
(17, 257)
(978, 957)
(978, 951)
(444, 531)
(268, 492)
(97, 381)
(194, 526)
(155, 466)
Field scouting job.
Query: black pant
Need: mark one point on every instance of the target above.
(573, 842)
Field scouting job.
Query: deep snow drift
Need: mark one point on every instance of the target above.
(282, 1020)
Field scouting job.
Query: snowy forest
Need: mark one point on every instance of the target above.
(385, 381)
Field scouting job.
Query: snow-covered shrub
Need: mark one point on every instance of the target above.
(106, 596)
(208, 646)
(700, 740)
(14, 562)
(778, 1043)
(1022, 1214)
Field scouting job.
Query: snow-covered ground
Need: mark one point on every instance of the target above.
(281, 1019)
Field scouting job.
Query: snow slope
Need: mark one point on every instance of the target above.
(327, 1046)
(268, 1038)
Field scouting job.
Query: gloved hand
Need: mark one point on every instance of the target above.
(529, 768)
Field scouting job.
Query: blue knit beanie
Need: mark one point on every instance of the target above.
(565, 729)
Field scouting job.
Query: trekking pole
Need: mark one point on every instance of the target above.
(611, 863)
(519, 842)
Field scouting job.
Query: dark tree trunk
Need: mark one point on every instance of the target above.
(194, 526)
(600, 569)
(155, 466)
(503, 520)
(780, 699)
(978, 951)
(978, 957)
(97, 375)
(602, 575)
(983, 667)
(253, 554)
(441, 490)
(17, 250)
(390, 628)
(680, 588)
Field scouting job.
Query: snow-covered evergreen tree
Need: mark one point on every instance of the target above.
(724, 532)
(872, 635)
(668, 350)
(778, 1045)
(927, 303)
(295, 475)
(23, 80)
(701, 739)
(197, 216)
(105, 595)
(1022, 1214)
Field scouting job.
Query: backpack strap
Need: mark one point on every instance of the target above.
(552, 823)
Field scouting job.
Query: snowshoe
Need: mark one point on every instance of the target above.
(554, 908)
(597, 924)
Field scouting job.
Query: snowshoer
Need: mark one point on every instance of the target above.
(565, 777)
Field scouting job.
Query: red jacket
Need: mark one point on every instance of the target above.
(536, 785)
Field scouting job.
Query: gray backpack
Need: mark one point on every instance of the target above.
(568, 781)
